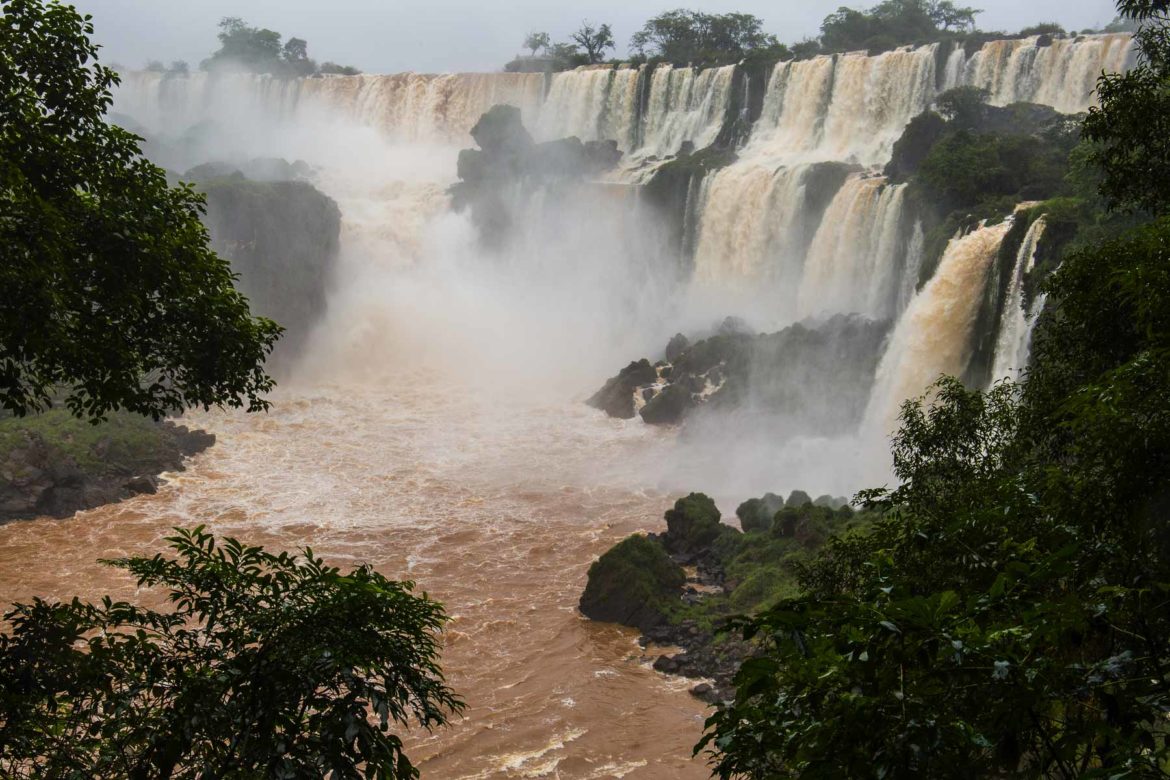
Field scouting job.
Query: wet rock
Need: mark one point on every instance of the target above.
(706, 692)
(142, 485)
(665, 664)
(668, 407)
(677, 345)
(616, 397)
(635, 583)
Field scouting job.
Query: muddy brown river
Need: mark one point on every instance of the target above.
(497, 513)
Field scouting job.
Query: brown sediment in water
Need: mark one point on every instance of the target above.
(498, 515)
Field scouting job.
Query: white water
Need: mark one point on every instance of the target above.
(854, 262)
(1015, 324)
(933, 337)
(1062, 75)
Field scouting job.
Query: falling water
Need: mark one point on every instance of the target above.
(1015, 324)
(934, 335)
(1061, 74)
(853, 262)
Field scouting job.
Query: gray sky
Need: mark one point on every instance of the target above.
(383, 36)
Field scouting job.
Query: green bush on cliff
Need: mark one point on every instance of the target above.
(634, 583)
(693, 524)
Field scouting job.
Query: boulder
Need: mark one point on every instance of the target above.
(692, 525)
(616, 397)
(145, 484)
(755, 515)
(668, 407)
(635, 583)
(677, 345)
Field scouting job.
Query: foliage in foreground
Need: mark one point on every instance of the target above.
(1011, 614)
(268, 665)
(108, 287)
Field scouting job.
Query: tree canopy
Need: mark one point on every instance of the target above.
(536, 41)
(1010, 614)
(267, 665)
(111, 295)
(594, 41)
(259, 50)
(693, 37)
(894, 22)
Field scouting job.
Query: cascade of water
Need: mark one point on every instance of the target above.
(592, 104)
(685, 105)
(753, 226)
(915, 249)
(1011, 344)
(852, 264)
(847, 107)
(1062, 73)
(934, 335)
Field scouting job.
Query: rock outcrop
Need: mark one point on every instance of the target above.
(818, 373)
(52, 470)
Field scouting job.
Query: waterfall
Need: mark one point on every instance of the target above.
(1062, 74)
(934, 335)
(852, 265)
(686, 105)
(845, 107)
(593, 104)
(404, 106)
(1015, 325)
(800, 225)
(752, 226)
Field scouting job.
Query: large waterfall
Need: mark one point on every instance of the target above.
(800, 225)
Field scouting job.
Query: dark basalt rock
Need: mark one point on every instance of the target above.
(508, 160)
(616, 398)
(676, 347)
(40, 478)
(668, 407)
(817, 373)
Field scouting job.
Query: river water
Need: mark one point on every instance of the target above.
(495, 512)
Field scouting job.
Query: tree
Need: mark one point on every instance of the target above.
(947, 16)
(693, 37)
(295, 55)
(893, 23)
(593, 40)
(340, 70)
(155, 66)
(536, 41)
(248, 48)
(963, 106)
(111, 295)
(1130, 129)
(268, 665)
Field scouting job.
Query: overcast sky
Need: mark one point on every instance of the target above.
(460, 35)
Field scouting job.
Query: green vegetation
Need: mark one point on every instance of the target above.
(593, 40)
(634, 583)
(260, 50)
(683, 37)
(638, 582)
(1008, 615)
(123, 442)
(110, 289)
(266, 666)
(894, 23)
(536, 41)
